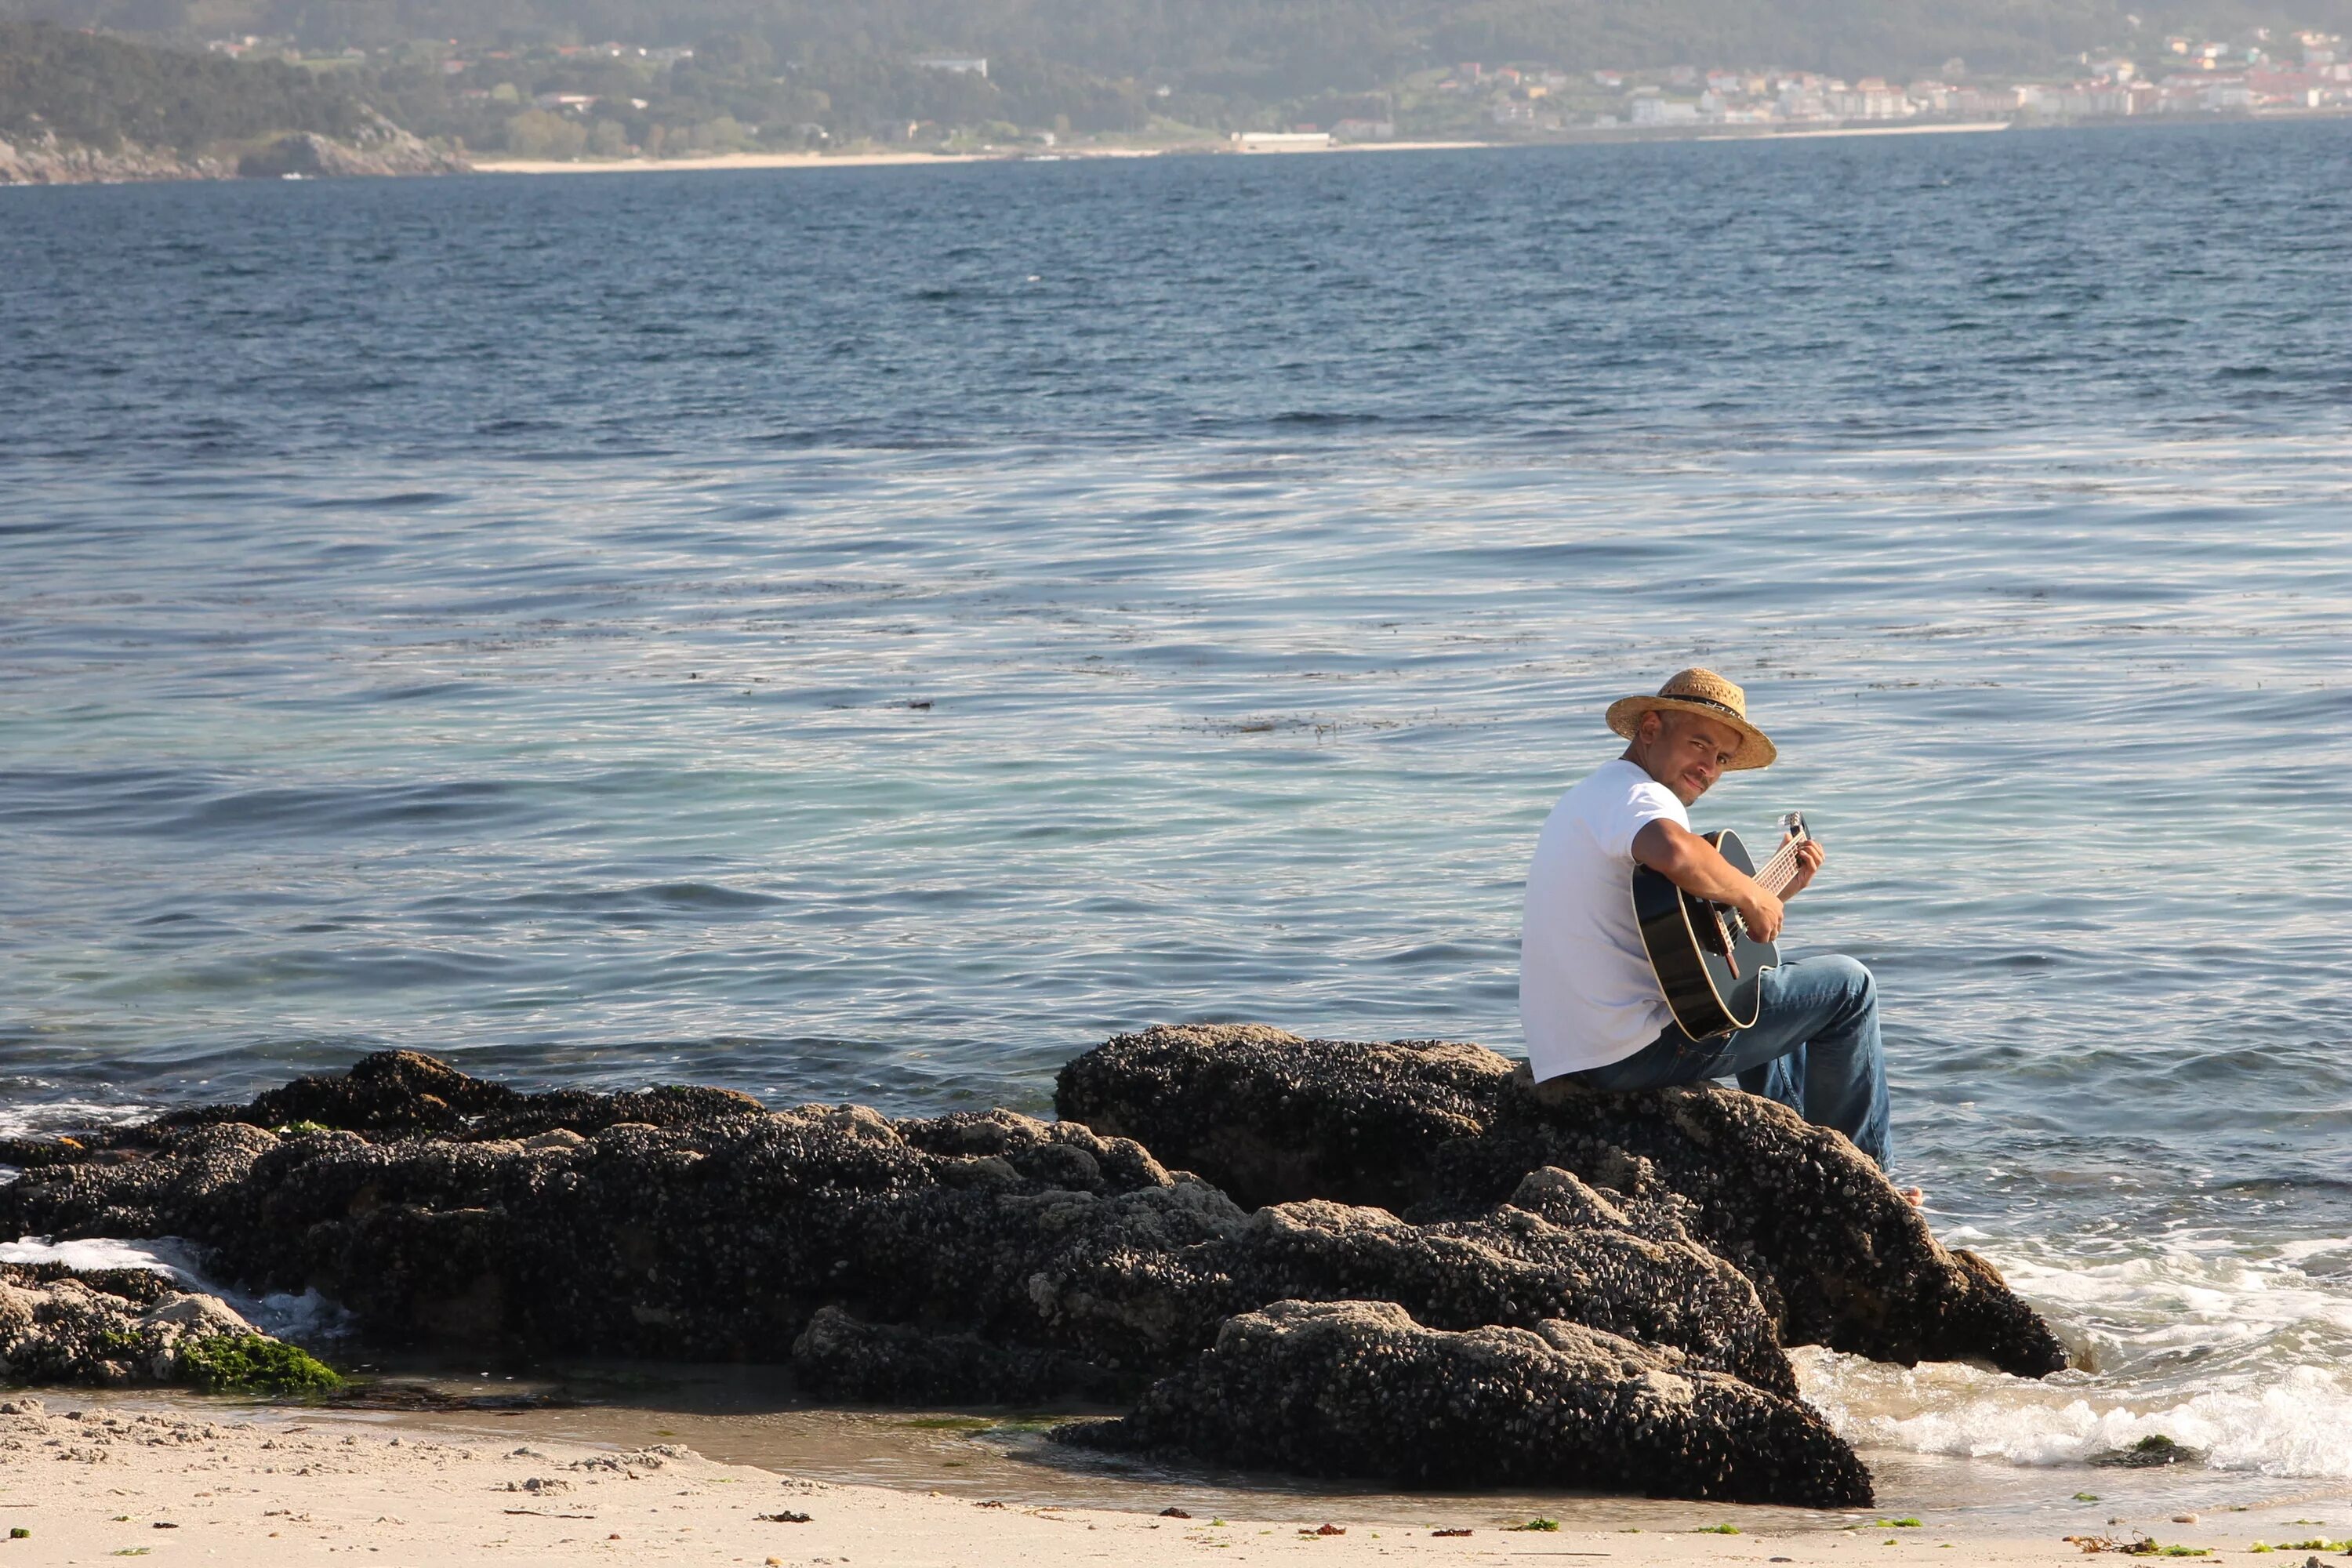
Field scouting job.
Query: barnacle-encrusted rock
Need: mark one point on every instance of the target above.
(1630, 1256)
(724, 1239)
(407, 1091)
(120, 1326)
(1358, 1388)
(838, 1356)
(1428, 1129)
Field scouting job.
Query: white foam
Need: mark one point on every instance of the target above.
(33, 1119)
(171, 1257)
(309, 1316)
(2297, 1424)
(2231, 1348)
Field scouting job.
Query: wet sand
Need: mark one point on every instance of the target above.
(179, 1478)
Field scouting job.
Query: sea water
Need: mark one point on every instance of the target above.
(869, 634)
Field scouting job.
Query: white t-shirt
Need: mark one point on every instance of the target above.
(1587, 994)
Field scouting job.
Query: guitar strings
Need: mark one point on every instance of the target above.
(1780, 870)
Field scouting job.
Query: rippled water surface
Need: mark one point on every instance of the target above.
(868, 634)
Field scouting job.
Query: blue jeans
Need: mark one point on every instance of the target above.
(1815, 1048)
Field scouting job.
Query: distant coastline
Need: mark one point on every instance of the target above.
(1810, 132)
(398, 154)
(304, 155)
(872, 160)
(1079, 154)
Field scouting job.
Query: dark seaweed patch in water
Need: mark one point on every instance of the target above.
(2150, 1452)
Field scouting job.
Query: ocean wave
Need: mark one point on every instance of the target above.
(2236, 1350)
(307, 1317)
(2298, 1423)
(26, 1118)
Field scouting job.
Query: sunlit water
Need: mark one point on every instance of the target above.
(871, 634)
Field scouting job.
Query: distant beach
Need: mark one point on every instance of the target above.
(1072, 155)
(873, 160)
(1786, 135)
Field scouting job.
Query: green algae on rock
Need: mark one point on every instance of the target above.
(124, 1327)
(256, 1363)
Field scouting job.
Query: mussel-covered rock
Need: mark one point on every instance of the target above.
(1358, 1388)
(1429, 1130)
(1430, 1273)
(117, 1327)
(724, 1238)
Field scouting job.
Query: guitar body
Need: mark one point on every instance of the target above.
(1706, 966)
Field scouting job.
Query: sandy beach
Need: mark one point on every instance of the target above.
(1804, 132)
(495, 165)
(85, 1481)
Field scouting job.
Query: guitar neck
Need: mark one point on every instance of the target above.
(1775, 875)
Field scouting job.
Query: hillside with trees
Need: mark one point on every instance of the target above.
(531, 76)
(1262, 50)
(100, 92)
(79, 106)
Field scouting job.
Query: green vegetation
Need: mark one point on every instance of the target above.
(1536, 1524)
(1718, 1530)
(537, 78)
(102, 92)
(249, 1364)
(2317, 1543)
(1261, 50)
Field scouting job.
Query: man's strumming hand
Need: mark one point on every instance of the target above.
(1760, 913)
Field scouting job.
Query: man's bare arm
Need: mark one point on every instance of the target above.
(1695, 865)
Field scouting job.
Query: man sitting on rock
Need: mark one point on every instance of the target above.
(1588, 999)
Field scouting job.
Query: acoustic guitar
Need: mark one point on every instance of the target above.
(1707, 963)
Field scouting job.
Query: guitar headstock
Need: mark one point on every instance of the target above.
(1792, 826)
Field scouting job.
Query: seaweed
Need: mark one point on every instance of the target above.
(251, 1363)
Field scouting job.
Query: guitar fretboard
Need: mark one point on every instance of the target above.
(1780, 870)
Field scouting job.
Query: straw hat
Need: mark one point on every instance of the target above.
(1708, 695)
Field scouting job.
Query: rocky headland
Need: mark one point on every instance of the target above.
(377, 148)
(1376, 1260)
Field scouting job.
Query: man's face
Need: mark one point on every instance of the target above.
(1684, 752)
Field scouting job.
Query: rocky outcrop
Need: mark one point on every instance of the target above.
(46, 161)
(724, 1235)
(1432, 1273)
(377, 148)
(838, 1356)
(407, 1091)
(1428, 1130)
(115, 1327)
(1358, 1388)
